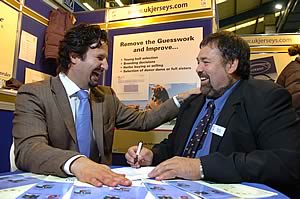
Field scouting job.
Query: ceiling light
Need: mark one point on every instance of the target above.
(88, 6)
(278, 6)
(119, 2)
(277, 14)
(243, 25)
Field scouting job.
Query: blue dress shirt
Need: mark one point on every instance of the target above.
(219, 103)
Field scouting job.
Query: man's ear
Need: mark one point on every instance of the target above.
(74, 58)
(231, 66)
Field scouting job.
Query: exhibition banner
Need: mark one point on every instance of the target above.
(158, 8)
(272, 40)
(269, 53)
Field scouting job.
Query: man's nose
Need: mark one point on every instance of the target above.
(104, 64)
(199, 68)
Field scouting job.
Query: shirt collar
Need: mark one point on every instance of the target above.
(70, 87)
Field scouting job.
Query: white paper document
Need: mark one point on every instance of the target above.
(28, 45)
(242, 191)
(134, 173)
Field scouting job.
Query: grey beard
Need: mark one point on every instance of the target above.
(218, 93)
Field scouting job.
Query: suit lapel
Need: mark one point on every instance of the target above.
(226, 114)
(191, 112)
(97, 115)
(63, 104)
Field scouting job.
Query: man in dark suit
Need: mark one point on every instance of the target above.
(45, 123)
(252, 134)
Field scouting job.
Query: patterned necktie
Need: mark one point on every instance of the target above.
(83, 123)
(200, 132)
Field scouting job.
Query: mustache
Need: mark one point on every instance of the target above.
(98, 71)
(202, 75)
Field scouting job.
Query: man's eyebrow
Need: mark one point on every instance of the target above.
(202, 58)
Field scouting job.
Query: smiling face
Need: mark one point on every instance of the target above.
(85, 72)
(215, 73)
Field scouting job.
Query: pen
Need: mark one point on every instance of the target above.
(139, 148)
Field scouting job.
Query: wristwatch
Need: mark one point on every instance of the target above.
(179, 99)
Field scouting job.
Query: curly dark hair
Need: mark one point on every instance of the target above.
(78, 40)
(294, 50)
(232, 47)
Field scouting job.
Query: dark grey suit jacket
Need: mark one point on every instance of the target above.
(44, 130)
(261, 142)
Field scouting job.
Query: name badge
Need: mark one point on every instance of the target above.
(218, 130)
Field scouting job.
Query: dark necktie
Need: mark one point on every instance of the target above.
(200, 132)
(83, 123)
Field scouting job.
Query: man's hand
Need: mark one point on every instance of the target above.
(97, 174)
(144, 159)
(187, 168)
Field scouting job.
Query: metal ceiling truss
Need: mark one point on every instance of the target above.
(265, 8)
(288, 22)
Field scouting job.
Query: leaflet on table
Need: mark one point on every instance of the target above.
(243, 191)
(199, 189)
(17, 186)
(17, 180)
(134, 173)
(47, 189)
(162, 190)
(14, 191)
(85, 191)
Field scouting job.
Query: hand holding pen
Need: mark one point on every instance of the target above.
(139, 155)
(139, 148)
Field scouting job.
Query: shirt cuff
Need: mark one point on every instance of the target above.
(67, 165)
(176, 102)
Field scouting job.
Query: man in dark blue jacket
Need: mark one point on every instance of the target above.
(252, 134)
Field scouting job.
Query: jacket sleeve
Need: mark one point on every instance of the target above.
(165, 149)
(129, 118)
(293, 86)
(290, 79)
(172, 146)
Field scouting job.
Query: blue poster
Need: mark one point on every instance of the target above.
(47, 190)
(16, 181)
(119, 192)
(165, 191)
